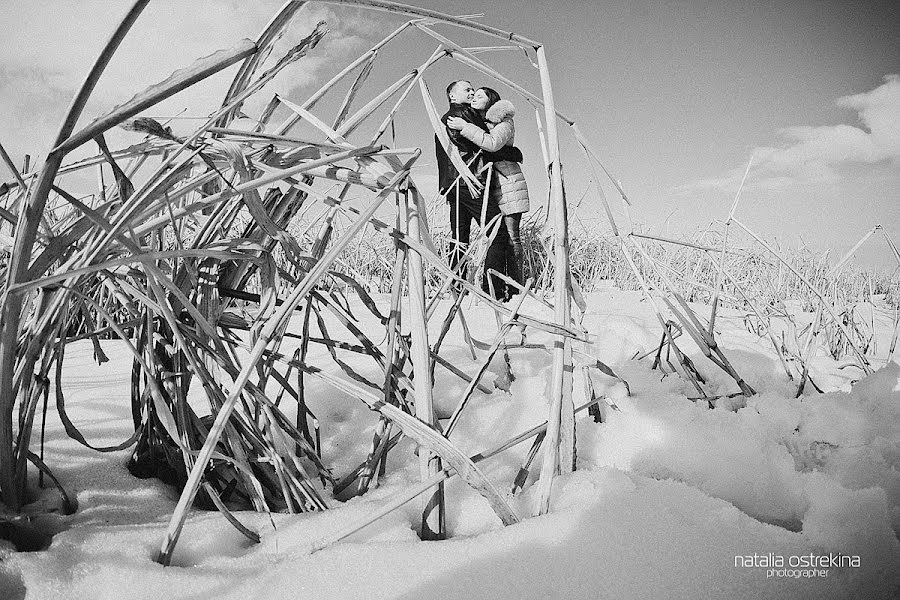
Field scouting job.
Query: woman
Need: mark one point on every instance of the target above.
(509, 187)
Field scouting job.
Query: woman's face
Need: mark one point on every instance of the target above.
(480, 100)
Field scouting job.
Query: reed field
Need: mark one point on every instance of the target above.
(596, 262)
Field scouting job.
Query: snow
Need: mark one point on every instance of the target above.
(669, 499)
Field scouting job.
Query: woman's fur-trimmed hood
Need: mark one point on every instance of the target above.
(500, 110)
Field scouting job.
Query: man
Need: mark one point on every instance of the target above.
(464, 204)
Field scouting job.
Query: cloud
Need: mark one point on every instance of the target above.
(49, 47)
(818, 154)
(880, 111)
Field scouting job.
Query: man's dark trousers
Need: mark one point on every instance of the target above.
(463, 209)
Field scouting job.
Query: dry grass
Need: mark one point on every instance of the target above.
(596, 262)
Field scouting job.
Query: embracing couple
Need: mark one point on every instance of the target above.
(480, 125)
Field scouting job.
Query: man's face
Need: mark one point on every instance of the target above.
(462, 93)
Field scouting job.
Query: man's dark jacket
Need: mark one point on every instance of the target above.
(447, 173)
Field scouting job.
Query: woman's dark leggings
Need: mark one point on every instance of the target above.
(516, 263)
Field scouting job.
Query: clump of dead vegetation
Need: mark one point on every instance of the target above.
(290, 216)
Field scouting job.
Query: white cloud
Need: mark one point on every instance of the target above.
(45, 56)
(816, 154)
(880, 111)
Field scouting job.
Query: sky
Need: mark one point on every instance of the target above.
(675, 97)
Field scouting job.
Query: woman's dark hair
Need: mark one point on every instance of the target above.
(492, 95)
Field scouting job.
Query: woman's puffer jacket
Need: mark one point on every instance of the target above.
(509, 181)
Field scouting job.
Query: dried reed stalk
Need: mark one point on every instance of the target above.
(433, 525)
(25, 235)
(560, 443)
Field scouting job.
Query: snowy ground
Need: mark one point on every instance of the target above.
(671, 499)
